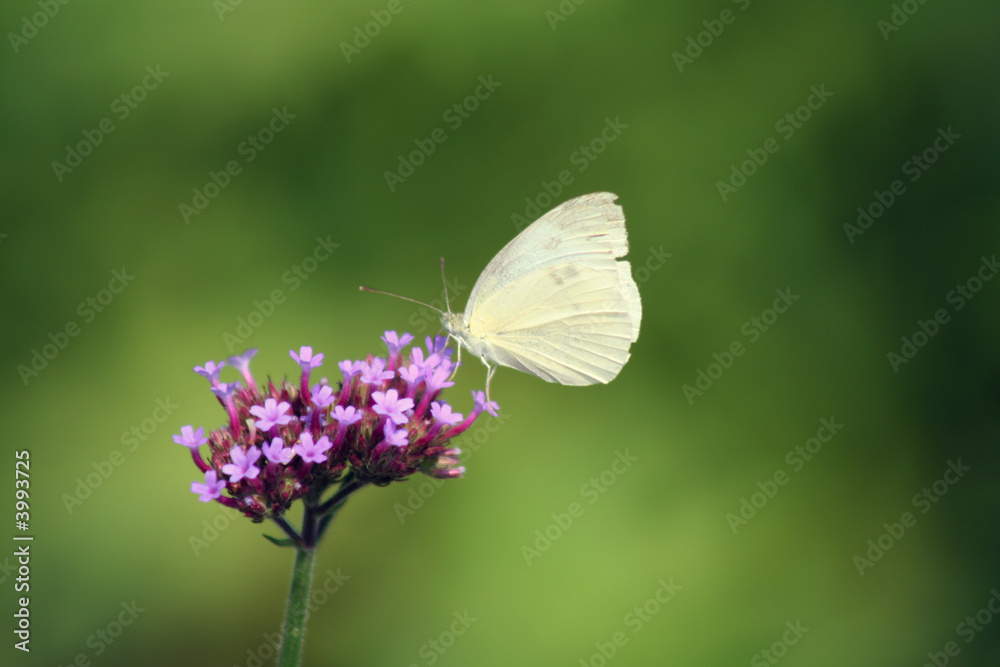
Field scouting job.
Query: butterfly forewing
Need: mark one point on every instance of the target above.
(588, 230)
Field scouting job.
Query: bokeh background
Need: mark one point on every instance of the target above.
(709, 260)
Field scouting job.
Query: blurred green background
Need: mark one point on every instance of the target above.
(695, 91)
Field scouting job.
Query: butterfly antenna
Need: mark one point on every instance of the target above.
(444, 282)
(365, 288)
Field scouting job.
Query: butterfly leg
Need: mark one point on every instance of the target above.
(490, 370)
(458, 361)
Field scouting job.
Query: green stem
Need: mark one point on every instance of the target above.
(315, 521)
(294, 629)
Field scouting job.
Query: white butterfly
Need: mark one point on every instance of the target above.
(555, 301)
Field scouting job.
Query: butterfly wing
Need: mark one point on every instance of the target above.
(555, 301)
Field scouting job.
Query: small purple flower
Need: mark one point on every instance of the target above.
(272, 414)
(442, 413)
(438, 378)
(417, 358)
(323, 396)
(242, 364)
(350, 369)
(394, 437)
(411, 374)
(482, 404)
(389, 404)
(438, 346)
(347, 416)
(276, 452)
(375, 372)
(210, 371)
(242, 466)
(395, 342)
(191, 438)
(225, 390)
(306, 359)
(312, 452)
(211, 489)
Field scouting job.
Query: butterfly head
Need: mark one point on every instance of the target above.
(453, 323)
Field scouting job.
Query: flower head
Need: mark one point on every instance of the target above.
(381, 428)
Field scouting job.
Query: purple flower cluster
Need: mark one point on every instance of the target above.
(381, 423)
